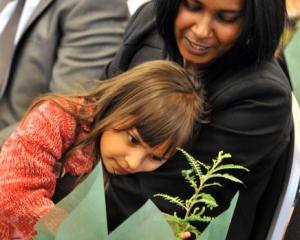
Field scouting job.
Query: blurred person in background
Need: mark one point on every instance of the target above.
(53, 45)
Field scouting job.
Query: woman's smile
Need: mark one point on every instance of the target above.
(196, 48)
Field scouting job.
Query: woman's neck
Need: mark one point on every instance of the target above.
(192, 68)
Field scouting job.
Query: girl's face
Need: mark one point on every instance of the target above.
(124, 152)
(206, 29)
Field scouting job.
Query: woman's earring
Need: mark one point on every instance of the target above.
(248, 42)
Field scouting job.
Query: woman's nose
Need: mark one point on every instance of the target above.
(203, 27)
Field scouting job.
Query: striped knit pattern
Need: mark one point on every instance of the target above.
(27, 181)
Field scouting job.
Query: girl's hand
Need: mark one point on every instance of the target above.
(185, 235)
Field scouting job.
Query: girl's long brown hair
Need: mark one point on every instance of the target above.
(160, 96)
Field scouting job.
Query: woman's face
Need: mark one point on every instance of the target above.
(206, 29)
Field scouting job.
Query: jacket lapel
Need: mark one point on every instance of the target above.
(38, 11)
(3, 3)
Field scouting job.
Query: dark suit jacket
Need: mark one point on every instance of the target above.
(66, 43)
(250, 118)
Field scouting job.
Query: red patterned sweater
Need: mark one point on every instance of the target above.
(27, 180)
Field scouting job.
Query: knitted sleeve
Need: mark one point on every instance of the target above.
(27, 181)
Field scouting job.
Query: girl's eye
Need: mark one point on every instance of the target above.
(228, 17)
(158, 158)
(192, 5)
(132, 139)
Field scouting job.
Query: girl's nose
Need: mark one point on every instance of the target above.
(134, 159)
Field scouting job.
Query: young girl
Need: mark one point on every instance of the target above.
(133, 122)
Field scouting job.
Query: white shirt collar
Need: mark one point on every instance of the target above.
(7, 11)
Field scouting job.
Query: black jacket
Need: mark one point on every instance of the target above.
(250, 118)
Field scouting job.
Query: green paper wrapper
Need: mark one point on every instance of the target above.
(81, 215)
(292, 56)
(218, 228)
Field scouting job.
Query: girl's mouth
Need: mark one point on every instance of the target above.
(120, 170)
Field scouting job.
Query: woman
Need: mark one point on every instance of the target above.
(230, 44)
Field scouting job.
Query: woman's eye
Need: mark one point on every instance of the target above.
(132, 139)
(192, 5)
(228, 18)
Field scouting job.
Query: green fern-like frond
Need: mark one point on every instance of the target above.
(195, 218)
(207, 199)
(226, 176)
(211, 185)
(198, 211)
(190, 178)
(222, 156)
(230, 166)
(205, 166)
(180, 226)
(193, 162)
(199, 176)
(171, 199)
